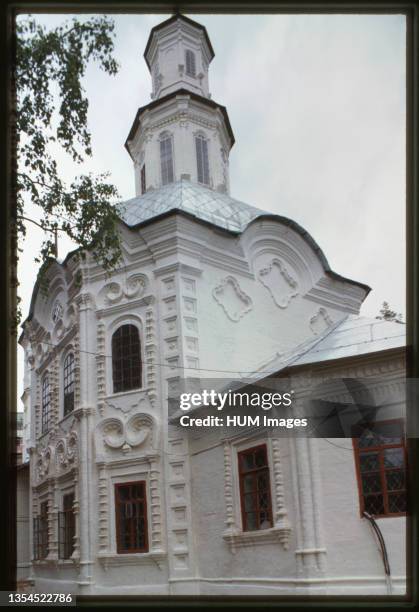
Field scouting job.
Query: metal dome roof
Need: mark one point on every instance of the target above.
(206, 204)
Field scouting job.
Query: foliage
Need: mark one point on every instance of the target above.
(51, 112)
(387, 314)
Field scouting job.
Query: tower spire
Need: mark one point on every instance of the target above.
(182, 133)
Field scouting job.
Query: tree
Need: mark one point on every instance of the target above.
(387, 314)
(51, 110)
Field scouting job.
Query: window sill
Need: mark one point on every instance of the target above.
(112, 559)
(242, 539)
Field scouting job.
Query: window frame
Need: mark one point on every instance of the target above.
(190, 54)
(71, 383)
(167, 137)
(382, 469)
(46, 404)
(143, 179)
(205, 170)
(66, 524)
(146, 548)
(241, 474)
(40, 535)
(113, 359)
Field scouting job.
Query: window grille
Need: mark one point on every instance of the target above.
(40, 533)
(126, 359)
(255, 490)
(46, 405)
(68, 384)
(380, 459)
(131, 517)
(66, 528)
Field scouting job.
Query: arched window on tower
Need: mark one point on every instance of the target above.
(190, 63)
(201, 145)
(126, 359)
(166, 158)
(68, 384)
(46, 405)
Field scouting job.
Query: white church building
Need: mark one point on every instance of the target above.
(124, 500)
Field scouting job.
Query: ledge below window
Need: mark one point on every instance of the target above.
(116, 560)
(242, 539)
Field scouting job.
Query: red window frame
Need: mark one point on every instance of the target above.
(382, 469)
(119, 502)
(252, 474)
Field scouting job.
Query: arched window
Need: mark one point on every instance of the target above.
(68, 384)
(201, 145)
(46, 404)
(126, 359)
(166, 159)
(190, 63)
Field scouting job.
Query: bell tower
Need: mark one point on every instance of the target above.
(178, 54)
(182, 134)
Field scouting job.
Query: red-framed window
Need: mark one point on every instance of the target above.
(381, 460)
(66, 527)
(126, 359)
(255, 488)
(131, 517)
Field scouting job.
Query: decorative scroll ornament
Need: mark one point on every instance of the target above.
(280, 284)
(320, 321)
(134, 287)
(232, 299)
(134, 433)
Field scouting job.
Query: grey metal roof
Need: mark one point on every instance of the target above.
(355, 336)
(201, 202)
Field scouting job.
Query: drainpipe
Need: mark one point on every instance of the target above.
(380, 537)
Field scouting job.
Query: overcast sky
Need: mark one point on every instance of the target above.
(317, 106)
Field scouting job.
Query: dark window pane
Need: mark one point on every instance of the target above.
(374, 504)
(369, 462)
(393, 457)
(126, 359)
(68, 384)
(132, 512)
(248, 483)
(251, 521)
(395, 480)
(46, 405)
(371, 483)
(397, 502)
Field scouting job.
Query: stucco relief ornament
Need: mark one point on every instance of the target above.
(134, 433)
(320, 321)
(43, 464)
(135, 286)
(113, 293)
(232, 299)
(280, 284)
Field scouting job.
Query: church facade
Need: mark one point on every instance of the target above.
(122, 499)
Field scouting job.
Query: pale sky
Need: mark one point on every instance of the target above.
(317, 107)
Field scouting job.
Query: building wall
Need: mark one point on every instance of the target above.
(202, 299)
